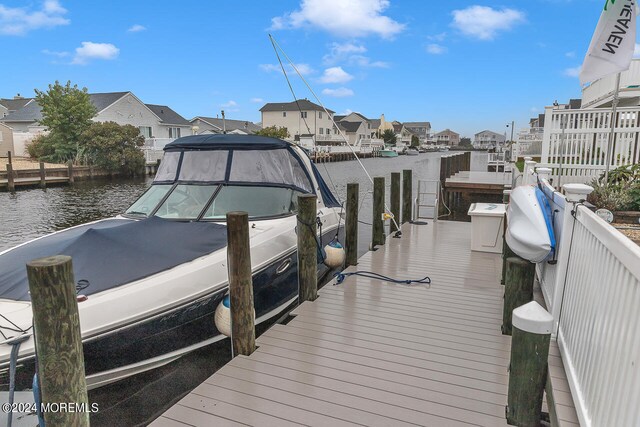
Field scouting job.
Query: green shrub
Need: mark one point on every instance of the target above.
(621, 192)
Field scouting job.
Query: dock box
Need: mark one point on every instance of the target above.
(487, 226)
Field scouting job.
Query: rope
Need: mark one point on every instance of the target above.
(315, 237)
(371, 275)
(15, 343)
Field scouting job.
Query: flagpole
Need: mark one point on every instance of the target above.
(614, 108)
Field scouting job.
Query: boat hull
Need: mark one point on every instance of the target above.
(388, 153)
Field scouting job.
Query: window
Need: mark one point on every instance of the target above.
(186, 201)
(319, 114)
(328, 131)
(145, 131)
(174, 132)
(284, 114)
(321, 131)
(303, 114)
(257, 201)
(149, 200)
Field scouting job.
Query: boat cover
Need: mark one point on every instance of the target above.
(113, 252)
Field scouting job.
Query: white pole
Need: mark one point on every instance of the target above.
(563, 126)
(614, 107)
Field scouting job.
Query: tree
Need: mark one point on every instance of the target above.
(389, 137)
(274, 132)
(112, 147)
(465, 142)
(67, 112)
(415, 141)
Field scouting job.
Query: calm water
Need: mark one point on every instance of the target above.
(27, 214)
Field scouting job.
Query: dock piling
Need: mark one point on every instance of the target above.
(70, 167)
(11, 185)
(243, 332)
(518, 288)
(528, 368)
(58, 338)
(351, 224)
(378, 237)
(43, 178)
(9, 158)
(307, 248)
(407, 194)
(395, 200)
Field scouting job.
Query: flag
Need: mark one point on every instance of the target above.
(613, 42)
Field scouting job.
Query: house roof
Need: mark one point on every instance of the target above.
(304, 104)
(417, 125)
(338, 118)
(349, 127)
(448, 131)
(357, 114)
(103, 100)
(230, 124)
(14, 104)
(167, 115)
(375, 123)
(397, 127)
(490, 132)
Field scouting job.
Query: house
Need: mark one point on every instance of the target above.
(8, 106)
(154, 121)
(355, 131)
(421, 129)
(211, 125)
(403, 134)
(447, 137)
(488, 139)
(301, 117)
(6, 140)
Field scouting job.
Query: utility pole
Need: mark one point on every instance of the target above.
(224, 125)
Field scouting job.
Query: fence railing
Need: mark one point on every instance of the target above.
(592, 289)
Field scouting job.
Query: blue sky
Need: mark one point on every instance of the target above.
(464, 65)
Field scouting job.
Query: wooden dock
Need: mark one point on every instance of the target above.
(373, 353)
(466, 187)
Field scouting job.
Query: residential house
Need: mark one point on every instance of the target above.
(300, 118)
(447, 137)
(421, 129)
(210, 125)
(8, 106)
(403, 134)
(159, 124)
(6, 140)
(488, 139)
(355, 131)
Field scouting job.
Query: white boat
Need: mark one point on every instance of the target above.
(412, 152)
(530, 231)
(154, 276)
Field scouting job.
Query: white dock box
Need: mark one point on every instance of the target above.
(487, 226)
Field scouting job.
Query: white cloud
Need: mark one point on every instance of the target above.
(534, 109)
(437, 37)
(58, 54)
(352, 54)
(304, 69)
(483, 22)
(90, 50)
(335, 75)
(354, 18)
(340, 92)
(346, 112)
(573, 72)
(229, 104)
(257, 100)
(571, 54)
(136, 28)
(436, 49)
(17, 21)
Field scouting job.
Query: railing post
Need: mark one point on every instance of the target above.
(243, 332)
(11, 185)
(574, 194)
(351, 224)
(407, 194)
(58, 338)
(43, 178)
(528, 368)
(543, 173)
(518, 288)
(529, 167)
(378, 209)
(395, 200)
(307, 248)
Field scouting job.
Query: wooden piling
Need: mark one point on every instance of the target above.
(528, 364)
(407, 194)
(11, 185)
(395, 200)
(307, 248)
(58, 338)
(43, 178)
(378, 237)
(70, 168)
(243, 332)
(518, 288)
(351, 224)
(506, 250)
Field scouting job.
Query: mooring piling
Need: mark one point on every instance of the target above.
(407, 191)
(378, 237)
(518, 288)
(351, 224)
(307, 248)
(395, 201)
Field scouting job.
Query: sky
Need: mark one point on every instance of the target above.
(463, 65)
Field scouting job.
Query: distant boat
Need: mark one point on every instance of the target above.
(387, 152)
(412, 152)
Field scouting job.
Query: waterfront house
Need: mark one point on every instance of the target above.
(447, 137)
(488, 139)
(8, 105)
(301, 117)
(356, 132)
(421, 129)
(214, 125)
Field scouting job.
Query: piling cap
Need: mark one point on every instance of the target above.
(532, 318)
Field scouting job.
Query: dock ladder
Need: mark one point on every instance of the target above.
(426, 206)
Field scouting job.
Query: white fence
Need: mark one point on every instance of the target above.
(592, 290)
(575, 142)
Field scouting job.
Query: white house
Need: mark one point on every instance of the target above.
(300, 118)
(421, 129)
(488, 139)
(210, 125)
(356, 132)
(447, 137)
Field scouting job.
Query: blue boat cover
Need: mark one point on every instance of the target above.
(548, 218)
(328, 198)
(113, 252)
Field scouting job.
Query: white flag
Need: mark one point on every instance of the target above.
(613, 43)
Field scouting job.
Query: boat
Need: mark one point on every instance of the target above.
(388, 152)
(412, 152)
(152, 277)
(530, 232)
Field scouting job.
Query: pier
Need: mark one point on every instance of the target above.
(374, 353)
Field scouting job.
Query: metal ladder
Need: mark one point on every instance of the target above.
(426, 205)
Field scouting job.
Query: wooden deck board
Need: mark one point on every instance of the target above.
(374, 353)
